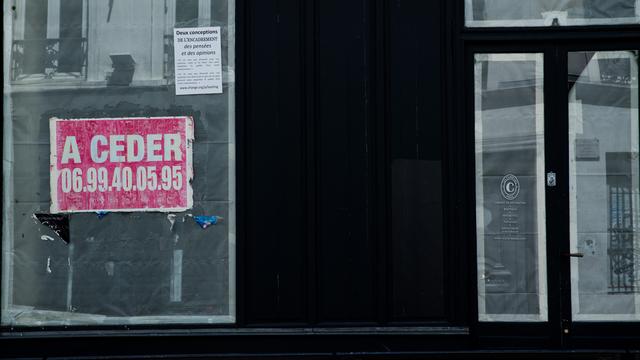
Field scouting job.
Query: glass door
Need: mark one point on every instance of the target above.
(604, 179)
(557, 191)
(556, 151)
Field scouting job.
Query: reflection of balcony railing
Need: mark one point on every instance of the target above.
(49, 58)
(168, 58)
(622, 261)
(623, 252)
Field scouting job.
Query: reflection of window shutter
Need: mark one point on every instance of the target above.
(52, 40)
(35, 19)
(35, 31)
(70, 51)
(71, 19)
(187, 13)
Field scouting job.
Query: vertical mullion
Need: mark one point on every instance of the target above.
(309, 29)
(380, 27)
(553, 153)
(557, 133)
(467, 202)
(553, 281)
(242, 85)
(458, 250)
(563, 220)
(460, 206)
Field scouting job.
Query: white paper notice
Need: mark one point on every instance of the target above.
(198, 60)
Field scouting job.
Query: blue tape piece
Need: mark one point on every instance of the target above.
(102, 214)
(206, 221)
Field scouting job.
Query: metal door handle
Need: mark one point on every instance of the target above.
(577, 255)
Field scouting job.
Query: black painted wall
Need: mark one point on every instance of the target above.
(343, 159)
(341, 198)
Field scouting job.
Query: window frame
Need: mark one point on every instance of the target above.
(543, 23)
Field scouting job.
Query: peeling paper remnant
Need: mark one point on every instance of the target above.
(172, 220)
(206, 221)
(46, 238)
(58, 223)
(49, 265)
(110, 267)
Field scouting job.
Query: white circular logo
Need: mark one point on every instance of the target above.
(510, 187)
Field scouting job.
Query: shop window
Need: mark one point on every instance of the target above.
(102, 265)
(50, 40)
(496, 13)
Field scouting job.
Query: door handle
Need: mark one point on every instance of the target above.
(576, 255)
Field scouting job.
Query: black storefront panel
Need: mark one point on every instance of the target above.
(345, 136)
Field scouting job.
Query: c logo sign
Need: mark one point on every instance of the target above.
(510, 187)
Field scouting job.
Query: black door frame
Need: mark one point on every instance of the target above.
(518, 334)
(555, 44)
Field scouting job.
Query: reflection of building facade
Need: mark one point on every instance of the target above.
(82, 59)
(52, 39)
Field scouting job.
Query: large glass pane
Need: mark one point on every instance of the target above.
(604, 188)
(494, 13)
(92, 63)
(510, 201)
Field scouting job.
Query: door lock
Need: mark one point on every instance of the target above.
(566, 326)
(551, 179)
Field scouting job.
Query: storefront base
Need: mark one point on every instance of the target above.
(324, 343)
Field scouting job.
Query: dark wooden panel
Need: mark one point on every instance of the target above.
(346, 253)
(415, 77)
(275, 289)
(417, 246)
(416, 116)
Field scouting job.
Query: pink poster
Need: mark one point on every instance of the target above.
(121, 164)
